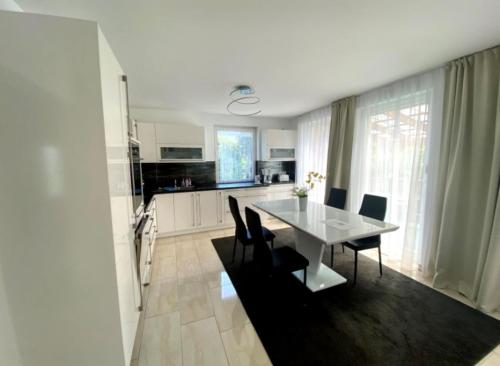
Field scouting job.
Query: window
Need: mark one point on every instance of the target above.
(235, 154)
(394, 148)
(313, 132)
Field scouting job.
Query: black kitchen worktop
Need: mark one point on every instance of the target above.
(218, 186)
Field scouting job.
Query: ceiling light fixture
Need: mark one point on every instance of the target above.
(242, 95)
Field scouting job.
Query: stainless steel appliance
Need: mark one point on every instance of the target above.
(136, 177)
(266, 176)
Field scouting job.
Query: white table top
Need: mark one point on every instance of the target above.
(325, 223)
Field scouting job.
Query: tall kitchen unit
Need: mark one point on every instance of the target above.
(69, 293)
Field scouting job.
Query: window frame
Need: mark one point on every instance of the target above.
(251, 129)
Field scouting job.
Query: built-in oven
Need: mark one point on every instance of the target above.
(136, 177)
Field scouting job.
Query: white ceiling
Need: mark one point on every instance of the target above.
(297, 54)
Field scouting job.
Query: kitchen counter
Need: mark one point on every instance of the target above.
(216, 187)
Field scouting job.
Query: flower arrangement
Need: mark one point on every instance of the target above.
(312, 178)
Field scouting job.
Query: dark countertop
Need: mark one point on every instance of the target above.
(218, 186)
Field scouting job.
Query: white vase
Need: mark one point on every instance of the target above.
(303, 203)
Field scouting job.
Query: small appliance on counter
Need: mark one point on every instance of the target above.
(266, 176)
(283, 177)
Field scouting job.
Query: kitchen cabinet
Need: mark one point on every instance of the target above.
(180, 134)
(151, 213)
(184, 211)
(246, 198)
(62, 91)
(165, 213)
(220, 208)
(206, 206)
(167, 142)
(195, 210)
(281, 192)
(278, 144)
(146, 134)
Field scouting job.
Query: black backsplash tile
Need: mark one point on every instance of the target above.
(277, 167)
(157, 175)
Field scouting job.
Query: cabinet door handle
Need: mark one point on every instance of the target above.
(199, 209)
(192, 204)
(221, 207)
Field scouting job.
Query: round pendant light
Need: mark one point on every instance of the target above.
(243, 100)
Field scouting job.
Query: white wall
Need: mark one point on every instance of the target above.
(209, 121)
(10, 5)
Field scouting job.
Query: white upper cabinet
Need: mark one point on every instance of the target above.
(162, 142)
(278, 144)
(146, 134)
(180, 134)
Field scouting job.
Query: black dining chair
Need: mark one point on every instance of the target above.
(336, 199)
(273, 261)
(241, 233)
(374, 207)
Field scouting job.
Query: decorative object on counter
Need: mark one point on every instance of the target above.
(242, 96)
(257, 179)
(302, 192)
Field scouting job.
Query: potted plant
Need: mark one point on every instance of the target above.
(302, 192)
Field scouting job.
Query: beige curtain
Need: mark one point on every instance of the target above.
(340, 144)
(465, 250)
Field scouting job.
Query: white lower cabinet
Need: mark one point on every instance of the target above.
(246, 198)
(165, 213)
(206, 209)
(194, 211)
(184, 211)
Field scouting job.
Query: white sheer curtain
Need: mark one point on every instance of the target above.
(395, 154)
(312, 149)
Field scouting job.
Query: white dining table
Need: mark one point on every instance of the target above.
(320, 226)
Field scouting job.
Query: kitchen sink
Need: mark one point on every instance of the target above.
(177, 189)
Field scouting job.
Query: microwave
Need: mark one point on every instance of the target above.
(181, 153)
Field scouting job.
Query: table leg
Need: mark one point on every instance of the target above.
(319, 276)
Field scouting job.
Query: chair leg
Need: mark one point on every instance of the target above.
(234, 247)
(379, 260)
(331, 260)
(305, 276)
(355, 265)
(343, 249)
(243, 258)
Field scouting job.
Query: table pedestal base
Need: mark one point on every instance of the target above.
(319, 276)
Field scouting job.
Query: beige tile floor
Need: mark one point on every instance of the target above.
(193, 315)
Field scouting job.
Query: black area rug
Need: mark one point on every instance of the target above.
(388, 320)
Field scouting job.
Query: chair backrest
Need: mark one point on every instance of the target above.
(261, 251)
(373, 206)
(241, 229)
(337, 198)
